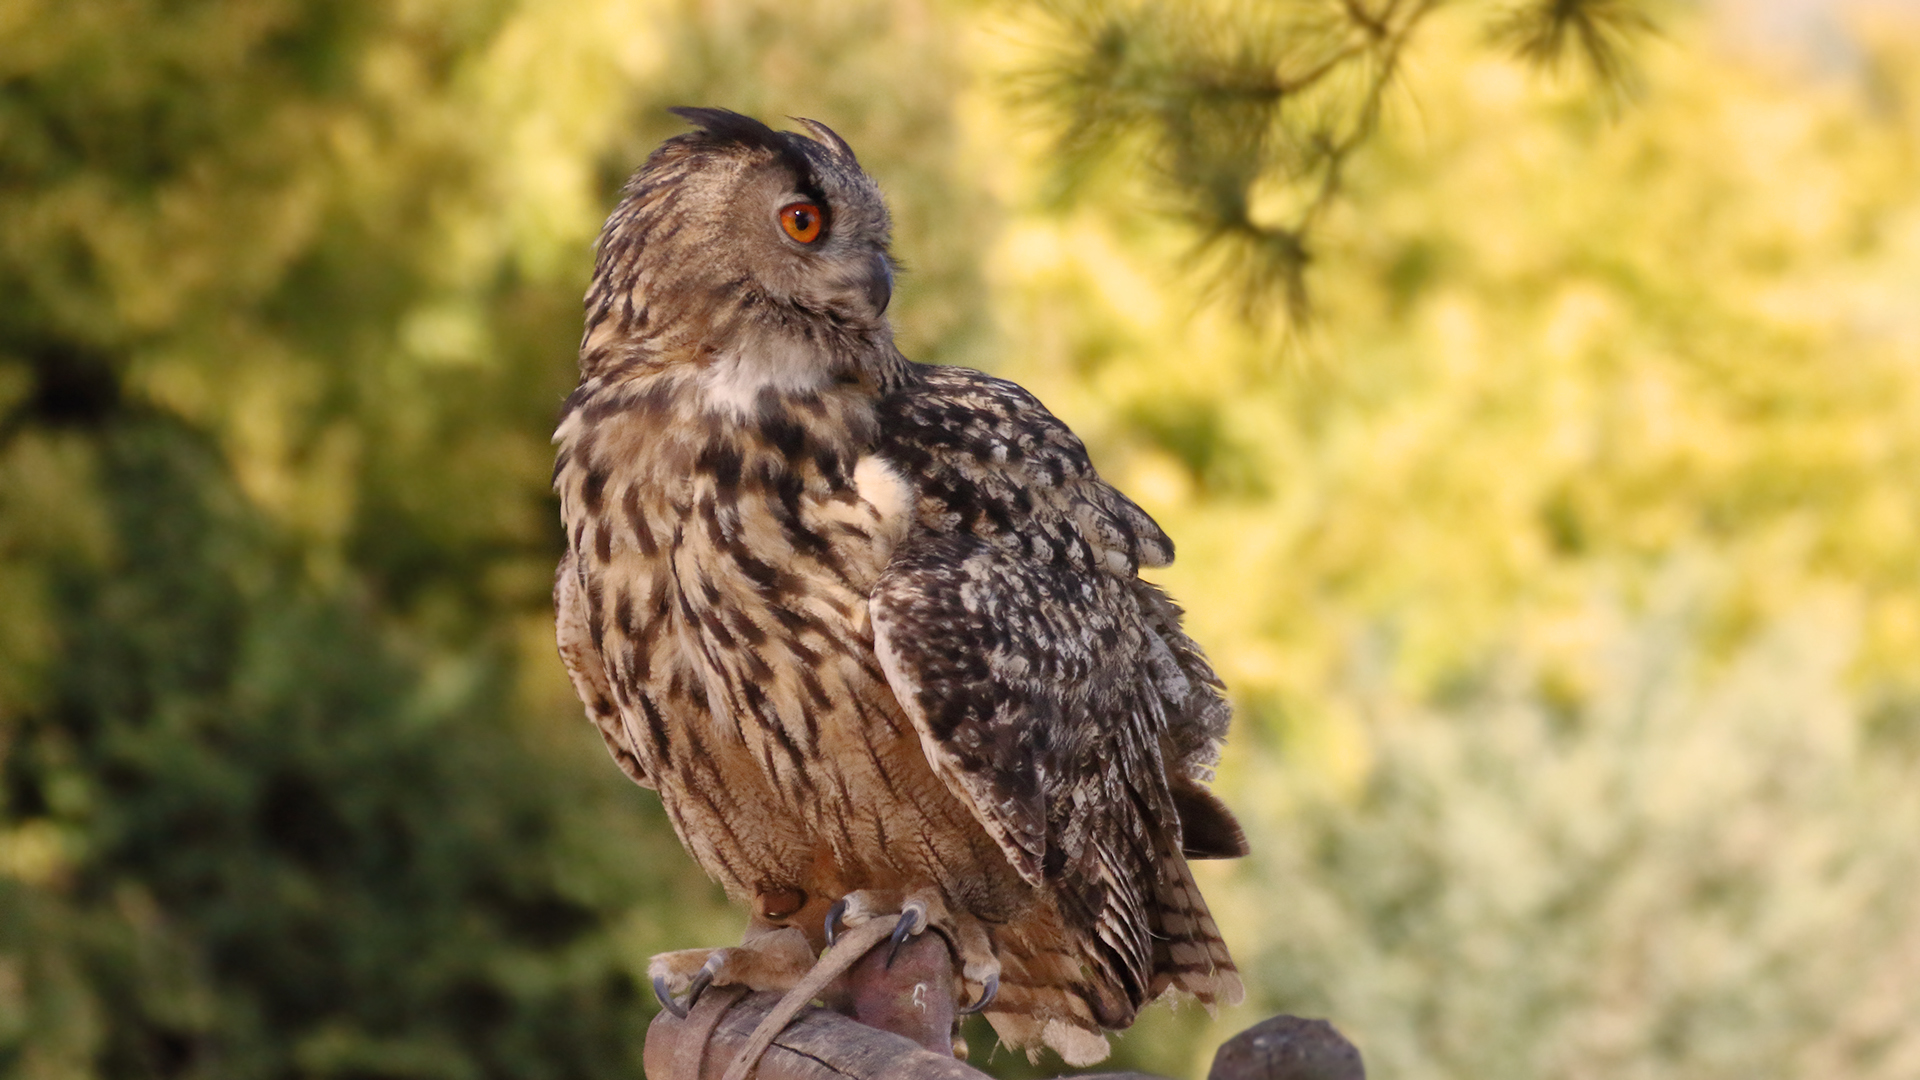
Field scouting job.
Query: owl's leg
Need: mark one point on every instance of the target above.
(769, 958)
(915, 913)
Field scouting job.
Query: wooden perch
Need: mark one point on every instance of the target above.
(896, 1022)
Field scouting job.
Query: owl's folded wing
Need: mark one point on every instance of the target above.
(1052, 689)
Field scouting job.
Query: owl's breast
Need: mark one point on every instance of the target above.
(772, 583)
(728, 568)
(774, 617)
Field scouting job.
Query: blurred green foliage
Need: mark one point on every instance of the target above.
(1566, 567)
(1701, 870)
(1242, 119)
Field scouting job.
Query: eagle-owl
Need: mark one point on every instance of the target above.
(873, 629)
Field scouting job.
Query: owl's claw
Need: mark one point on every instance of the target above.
(913, 919)
(834, 913)
(701, 980)
(666, 998)
(987, 993)
(695, 987)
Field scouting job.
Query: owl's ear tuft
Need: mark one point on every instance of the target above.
(827, 136)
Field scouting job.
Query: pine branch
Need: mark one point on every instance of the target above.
(1244, 120)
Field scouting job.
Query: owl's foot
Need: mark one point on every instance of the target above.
(913, 921)
(860, 923)
(914, 914)
(777, 960)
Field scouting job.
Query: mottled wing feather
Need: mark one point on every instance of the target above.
(1015, 672)
(990, 461)
(1053, 689)
(1180, 673)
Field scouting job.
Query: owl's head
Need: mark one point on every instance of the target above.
(734, 235)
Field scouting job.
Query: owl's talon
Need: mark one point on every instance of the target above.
(987, 993)
(695, 987)
(834, 913)
(701, 980)
(913, 919)
(666, 998)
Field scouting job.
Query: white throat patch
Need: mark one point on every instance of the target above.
(733, 382)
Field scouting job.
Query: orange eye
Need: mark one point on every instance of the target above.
(802, 221)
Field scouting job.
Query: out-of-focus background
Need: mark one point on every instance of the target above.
(1532, 388)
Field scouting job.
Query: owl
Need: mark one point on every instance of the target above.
(873, 629)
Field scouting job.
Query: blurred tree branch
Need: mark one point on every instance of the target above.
(1244, 118)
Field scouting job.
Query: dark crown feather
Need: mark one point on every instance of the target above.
(717, 127)
(725, 125)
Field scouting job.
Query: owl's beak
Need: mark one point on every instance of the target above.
(880, 282)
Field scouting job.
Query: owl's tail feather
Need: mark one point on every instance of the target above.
(1048, 997)
(1045, 995)
(1188, 953)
